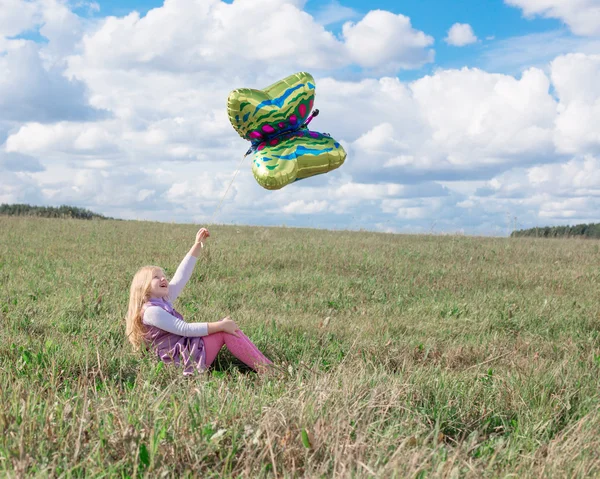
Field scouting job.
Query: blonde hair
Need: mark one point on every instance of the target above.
(139, 293)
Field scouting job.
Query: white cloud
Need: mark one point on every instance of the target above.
(334, 12)
(582, 16)
(29, 90)
(544, 194)
(209, 36)
(17, 162)
(300, 207)
(145, 194)
(460, 34)
(17, 16)
(97, 164)
(575, 78)
(61, 27)
(62, 138)
(20, 187)
(358, 191)
(33, 85)
(385, 41)
(402, 160)
(379, 139)
(204, 186)
(570, 208)
(54, 21)
(189, 36)
(413, 209)
(481, 118)
(576, 177)
(519, 53)
(354, 108)
(454, 122)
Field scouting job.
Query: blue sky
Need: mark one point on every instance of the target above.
(126, 117)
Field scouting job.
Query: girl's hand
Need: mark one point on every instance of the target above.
(201, 235)
(228, 326)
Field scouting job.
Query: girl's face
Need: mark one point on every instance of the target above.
(159, 286)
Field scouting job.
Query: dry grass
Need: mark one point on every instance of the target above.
(403, 356)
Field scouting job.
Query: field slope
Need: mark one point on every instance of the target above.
(404, 356)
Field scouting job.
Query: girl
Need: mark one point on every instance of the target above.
(152, 321)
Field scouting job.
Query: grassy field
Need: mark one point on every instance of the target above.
(404, 356)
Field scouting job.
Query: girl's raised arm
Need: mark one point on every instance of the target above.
(186, 267)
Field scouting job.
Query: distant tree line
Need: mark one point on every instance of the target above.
(587, 231)
(50, 212)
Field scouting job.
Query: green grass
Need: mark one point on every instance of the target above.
(406, 356)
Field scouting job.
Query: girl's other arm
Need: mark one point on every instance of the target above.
(158, 317)
(226, 325)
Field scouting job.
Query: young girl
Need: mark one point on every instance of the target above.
(152, 321)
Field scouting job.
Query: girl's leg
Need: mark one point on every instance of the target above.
(245, 350)
(212, 345)
(240, 346)
(253, 347)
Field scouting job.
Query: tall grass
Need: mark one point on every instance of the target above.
(401, 356)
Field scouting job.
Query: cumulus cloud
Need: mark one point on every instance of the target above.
(60, 139)
(582, 16)
(29, 90)
(578, 177)
(479, 118)
(20, 187)
(301, 207)
(33, 85)
(575, 78)
(413, 209)
(189, 36)
(460, 34)
(541, 195)
(385, 41)
(454, 123)
(17, 162)
(516, 54)
(334, 12)
(209, 36)
(17, 16)
(51, 19)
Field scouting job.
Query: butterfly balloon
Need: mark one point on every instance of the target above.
(275, 121)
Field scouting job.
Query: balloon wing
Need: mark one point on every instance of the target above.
(295, 156)
(283, 106)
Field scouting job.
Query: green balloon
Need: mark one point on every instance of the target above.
(273, 119)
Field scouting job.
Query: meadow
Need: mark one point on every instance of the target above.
(399, 356)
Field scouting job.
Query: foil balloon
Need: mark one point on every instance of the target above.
(275, 121)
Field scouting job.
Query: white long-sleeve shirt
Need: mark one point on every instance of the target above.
(159, 318)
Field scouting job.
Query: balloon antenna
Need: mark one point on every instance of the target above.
(313, 114)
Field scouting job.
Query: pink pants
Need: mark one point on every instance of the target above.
(241, 347)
